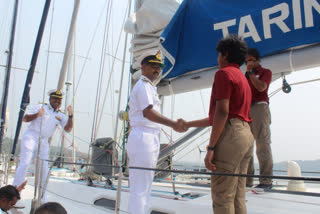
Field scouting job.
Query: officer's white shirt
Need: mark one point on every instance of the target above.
(144, 94)
(50, 120)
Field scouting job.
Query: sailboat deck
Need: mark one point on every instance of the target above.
(79, 198)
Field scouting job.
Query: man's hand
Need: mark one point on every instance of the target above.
(69, 109)
(250, 65)
(208, 161)
(41, 112)
(22, 186)
(69, 124)
(180, 125)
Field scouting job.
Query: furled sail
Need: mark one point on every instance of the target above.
(147, 24)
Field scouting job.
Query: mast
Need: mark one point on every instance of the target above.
(68, 84)
(8, 72)
(25, 97)
(66, 58)
(68, 46)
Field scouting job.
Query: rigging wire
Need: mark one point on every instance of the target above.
(40, 182)
(100, 76)
(4, 23)
(90, 46)
(167, 167)
(111, 73)
(74, 97)
(203, 106)
(180, 149)
(48, 56)
(173, 99)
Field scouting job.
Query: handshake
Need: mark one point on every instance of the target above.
(180, 125)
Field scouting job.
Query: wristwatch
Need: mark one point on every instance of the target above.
(211, 148)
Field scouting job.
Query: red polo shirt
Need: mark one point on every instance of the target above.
(264, 75)
(230, 83)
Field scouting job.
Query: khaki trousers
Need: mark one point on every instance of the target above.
(260, 127)
(232, 155)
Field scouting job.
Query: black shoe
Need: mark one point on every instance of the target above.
(264, 186)
(249, 185)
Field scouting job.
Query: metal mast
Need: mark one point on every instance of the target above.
(8, 72)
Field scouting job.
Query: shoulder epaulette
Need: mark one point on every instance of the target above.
(146, 80)
(61, 111)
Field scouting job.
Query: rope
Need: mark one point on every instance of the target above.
(65, 137)
(275, 92)
(66, 151)
(182, 148)
(303, 82)
(296, 83)
(168, 136)
(205, 173)
(171, 163)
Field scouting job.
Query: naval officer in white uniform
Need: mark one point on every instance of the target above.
(143, 142)
(50, 116)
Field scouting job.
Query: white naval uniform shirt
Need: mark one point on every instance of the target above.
(50, 120)
(143, 95)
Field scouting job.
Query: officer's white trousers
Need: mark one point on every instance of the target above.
(29, 151)
(143, 151)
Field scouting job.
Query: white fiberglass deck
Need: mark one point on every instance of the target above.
(79, 198)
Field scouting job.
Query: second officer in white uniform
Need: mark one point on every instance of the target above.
(49, 116)
(143, 142)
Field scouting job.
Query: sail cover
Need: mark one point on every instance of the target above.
(190, 39)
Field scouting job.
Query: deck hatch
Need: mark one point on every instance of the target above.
(106, 203)
(158, 212)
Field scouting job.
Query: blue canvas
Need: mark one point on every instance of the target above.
(189, 41)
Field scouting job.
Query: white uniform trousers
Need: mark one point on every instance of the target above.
(29, 151)
(143, 151)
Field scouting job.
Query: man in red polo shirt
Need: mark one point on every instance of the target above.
(259, 80)
(231, 142)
